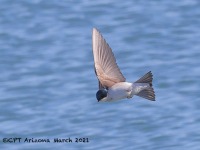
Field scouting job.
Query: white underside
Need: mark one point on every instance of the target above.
(123, 90)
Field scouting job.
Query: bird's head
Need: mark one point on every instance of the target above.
(102, 93)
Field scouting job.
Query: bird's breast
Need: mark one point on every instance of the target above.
(119, 91)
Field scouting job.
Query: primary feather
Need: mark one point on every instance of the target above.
(106, 68)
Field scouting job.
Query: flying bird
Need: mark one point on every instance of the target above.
(112, 83)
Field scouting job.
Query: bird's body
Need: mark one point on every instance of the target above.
(119, 91)
(124, 90)
(112, 84)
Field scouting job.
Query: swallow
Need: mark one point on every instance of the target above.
(112, 83)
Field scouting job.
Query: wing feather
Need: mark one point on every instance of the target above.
(106, 68)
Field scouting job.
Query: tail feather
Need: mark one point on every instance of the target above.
(149, 92)
(147, 78)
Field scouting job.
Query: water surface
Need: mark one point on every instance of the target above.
(48, 85)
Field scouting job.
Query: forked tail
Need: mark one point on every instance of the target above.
(149, 92)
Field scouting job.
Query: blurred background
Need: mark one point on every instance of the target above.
(48, 85)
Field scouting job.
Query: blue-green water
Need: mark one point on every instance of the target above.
(48, 85)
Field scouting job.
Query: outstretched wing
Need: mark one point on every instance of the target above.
(105, 64)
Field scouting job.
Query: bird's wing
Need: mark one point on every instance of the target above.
(105, 64)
